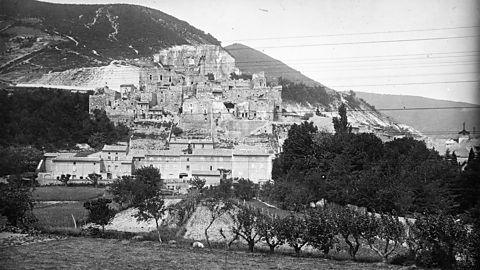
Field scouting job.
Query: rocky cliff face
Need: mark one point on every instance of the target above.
(208, 58)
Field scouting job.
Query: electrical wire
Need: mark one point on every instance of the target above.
(355, 34)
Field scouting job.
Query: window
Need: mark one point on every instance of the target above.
(187, 168)
(74, 163)
(211, 168)
(203, 145)
(116, 168)
(109, 168)
(116, 158)
(188, 159)
(109, 158)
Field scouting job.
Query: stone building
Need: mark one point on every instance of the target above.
(183, 161)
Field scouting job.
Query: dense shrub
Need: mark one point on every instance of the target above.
(436, 240)
(53, 119)
(16, 202)
(100, 212)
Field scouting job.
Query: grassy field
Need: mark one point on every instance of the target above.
(60, 215)
(62, 193)
(91, 253)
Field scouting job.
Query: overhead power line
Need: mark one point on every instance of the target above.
(411, 83)
(356, 34)
(355, 42)
(342, 60)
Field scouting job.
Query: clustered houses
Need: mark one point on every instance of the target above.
(190, 85)
(182, 161)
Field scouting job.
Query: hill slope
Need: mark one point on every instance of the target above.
(41, 37)
(251, 61)
(425, 114)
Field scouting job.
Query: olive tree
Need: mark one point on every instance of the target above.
(269, 228)
(384, 233)
(216, 208)
(351, 225)
(152, 208)
(321, 229)
(245, 220)
(293, 229)
(100, 212)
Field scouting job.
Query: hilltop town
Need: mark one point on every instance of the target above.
(194, 114)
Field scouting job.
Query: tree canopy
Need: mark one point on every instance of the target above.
(53, 119)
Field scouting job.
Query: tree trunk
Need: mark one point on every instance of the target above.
(158, 231)
(297, 251)
(206, 233)
(251, 245)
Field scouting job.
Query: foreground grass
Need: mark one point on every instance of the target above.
(62, 193)
(92, 253)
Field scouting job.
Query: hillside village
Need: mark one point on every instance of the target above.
(231, 123)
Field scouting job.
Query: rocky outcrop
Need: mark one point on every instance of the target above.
(207, 58)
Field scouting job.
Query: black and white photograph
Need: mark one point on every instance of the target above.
(240, 134)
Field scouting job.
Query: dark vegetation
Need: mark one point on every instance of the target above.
(401, 176)
(53, 119)
(251, 61)
(303, 94)
(357, 173)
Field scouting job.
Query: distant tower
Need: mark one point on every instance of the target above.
(463, 135)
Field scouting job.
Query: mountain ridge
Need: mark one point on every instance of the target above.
(432, 121)
(272, 67)
(34, 32)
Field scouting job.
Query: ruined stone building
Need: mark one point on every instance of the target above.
(194, 84)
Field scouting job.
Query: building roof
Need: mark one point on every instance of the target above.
(169, 153)
(237, 152)
(187, 141)
(115, 148)
(125, 85)
(76, 159)
(156, 108)
(59, 155)
(214, 173)
(211, 152)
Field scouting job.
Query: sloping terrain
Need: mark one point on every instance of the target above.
(432, 117)
(38, 37)
(251, 61)
(91, 253)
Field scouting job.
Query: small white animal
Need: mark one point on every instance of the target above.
(197, 245)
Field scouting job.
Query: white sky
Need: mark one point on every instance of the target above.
(351, 44)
